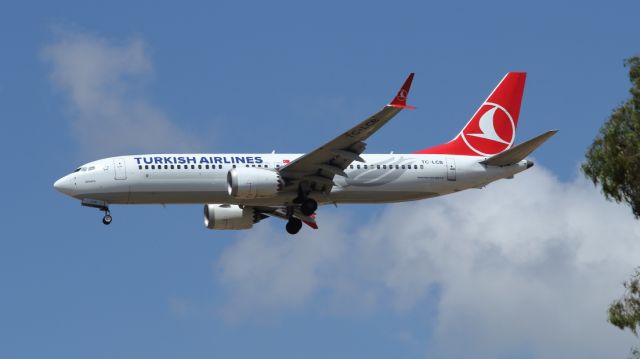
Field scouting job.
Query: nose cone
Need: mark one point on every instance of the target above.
(64, 185)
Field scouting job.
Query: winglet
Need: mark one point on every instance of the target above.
(313, 223)
(400, 101)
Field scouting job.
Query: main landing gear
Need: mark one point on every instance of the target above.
(294, 225)
(308, 206)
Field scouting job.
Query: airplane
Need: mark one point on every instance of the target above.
(240, 190)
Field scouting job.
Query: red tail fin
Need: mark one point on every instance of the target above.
(492, 129)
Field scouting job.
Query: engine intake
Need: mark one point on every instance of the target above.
(250, 183)
(225, 216)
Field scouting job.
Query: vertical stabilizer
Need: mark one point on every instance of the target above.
(492, 129)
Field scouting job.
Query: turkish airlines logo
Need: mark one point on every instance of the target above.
(402, 94)
(491, 130)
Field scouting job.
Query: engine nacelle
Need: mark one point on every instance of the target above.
(250, 183)
(224, 216)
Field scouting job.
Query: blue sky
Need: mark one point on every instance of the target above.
(440, 278)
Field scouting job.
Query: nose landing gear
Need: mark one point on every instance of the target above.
(102, 206)
(106, 220)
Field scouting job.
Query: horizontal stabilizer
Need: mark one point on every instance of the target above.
(519, 152)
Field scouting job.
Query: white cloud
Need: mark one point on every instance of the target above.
(277, 273)
(103, 82)
(525, 265)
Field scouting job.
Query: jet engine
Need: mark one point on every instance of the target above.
(225, 216)
(250, 183)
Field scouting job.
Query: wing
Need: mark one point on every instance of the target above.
(282, 213)
(315, 170)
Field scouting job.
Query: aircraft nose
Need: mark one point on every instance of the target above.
(64, 185)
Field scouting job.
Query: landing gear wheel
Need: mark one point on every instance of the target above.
(294, 225)
(107, 219)
(308, 207)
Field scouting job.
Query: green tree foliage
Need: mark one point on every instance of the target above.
(613, 160)
(624, 313)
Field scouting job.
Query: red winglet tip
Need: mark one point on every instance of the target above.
(400, 101)
(311, 224)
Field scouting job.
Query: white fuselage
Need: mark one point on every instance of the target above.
(202, 178)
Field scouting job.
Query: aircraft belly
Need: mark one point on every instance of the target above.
(379, 196)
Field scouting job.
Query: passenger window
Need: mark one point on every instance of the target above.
(146, 167)
(277, 166)
(178, 166)
(384, 167)
(415, 167)
(421, 166)
(266, 166)
(171, 166)
(397, 167)
(253, 165)
(402, 166)
(153, 167)
(199, 167)
(206, 167)
(358, 166)
(166, 167)
(140, 167)
(220, 166)
(193, 167)
(378, 166)
(234, 166)
(351, 166)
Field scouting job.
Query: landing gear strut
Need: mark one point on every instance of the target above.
(308, 205)
(294, 225)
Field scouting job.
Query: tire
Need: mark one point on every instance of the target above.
(106, 220)
(294, 225)
(308, 207)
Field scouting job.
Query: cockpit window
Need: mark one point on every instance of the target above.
(77, 170)
(83, 169)
(91, 168)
